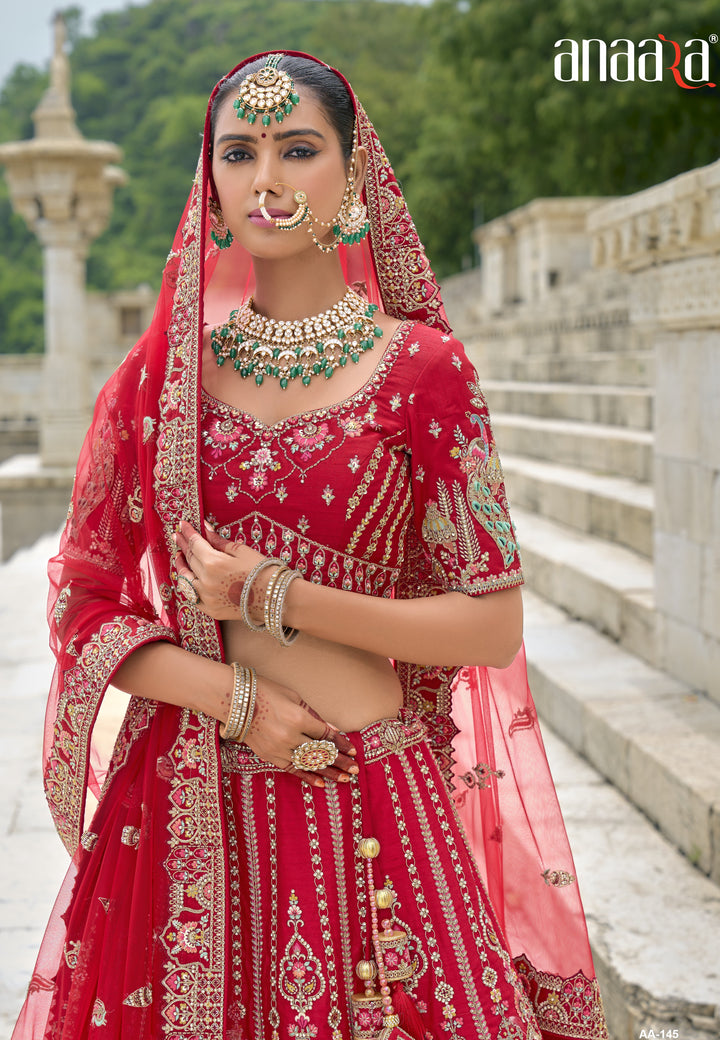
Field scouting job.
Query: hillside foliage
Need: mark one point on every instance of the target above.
(462, 94)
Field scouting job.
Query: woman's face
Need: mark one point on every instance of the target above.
(303, 152)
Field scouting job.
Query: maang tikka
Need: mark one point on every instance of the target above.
(267, 92)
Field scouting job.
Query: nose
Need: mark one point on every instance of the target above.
(266, 176)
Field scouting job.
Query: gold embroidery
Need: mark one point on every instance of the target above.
(139, 998)
(558, 878)
(130, 836)
(83, 689)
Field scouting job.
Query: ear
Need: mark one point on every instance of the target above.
(361, 161)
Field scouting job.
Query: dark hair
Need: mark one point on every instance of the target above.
(328, 88)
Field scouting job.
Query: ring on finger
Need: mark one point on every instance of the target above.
(314, 755)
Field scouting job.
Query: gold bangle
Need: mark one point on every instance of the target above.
(247, 586)
(275, 605)
(242, 706)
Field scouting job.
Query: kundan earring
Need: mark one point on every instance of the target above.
(265, 93)
(220, 233)
(351, 224)
(296, 218)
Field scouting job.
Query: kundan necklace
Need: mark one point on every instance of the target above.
(258, 346)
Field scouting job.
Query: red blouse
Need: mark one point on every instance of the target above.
(333, 491)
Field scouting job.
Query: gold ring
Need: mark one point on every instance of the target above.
(314, 755)
(186, 589)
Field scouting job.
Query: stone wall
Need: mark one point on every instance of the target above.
(556, 264)
(115, 321)
(667, 241)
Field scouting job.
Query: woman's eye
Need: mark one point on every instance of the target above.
(301, 151)
(235, 155)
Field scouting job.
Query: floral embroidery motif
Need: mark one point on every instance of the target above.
(300, 979)
(456, 362)
(352, 426)
(309, 438)
(566, 1007)
(139, 998)
(262, 462)
(395, 402)
(222, 435)
(523, 718)
(148, 427)
(99, 1014)
(354, 464)
(558, 878)
(435, 428)
(135, 507)
(479, 775)
(130, 836)
(328, 494)
(438, 529)
(71, 952)
(61, 603)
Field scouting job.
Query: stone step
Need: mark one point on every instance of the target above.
(592, 446)
(541, 335)
(653, 737)
(653, 919)
(611, 405)
(636, 368)
(615, 508)
(607, 585)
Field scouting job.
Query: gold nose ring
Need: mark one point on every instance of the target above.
(296, 218)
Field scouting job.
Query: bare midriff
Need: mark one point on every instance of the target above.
(349, 688)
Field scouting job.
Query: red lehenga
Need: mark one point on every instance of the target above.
(212, 895)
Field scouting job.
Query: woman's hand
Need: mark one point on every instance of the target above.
(217, 569)
(282, 721)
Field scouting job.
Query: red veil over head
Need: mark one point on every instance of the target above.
(113, 589)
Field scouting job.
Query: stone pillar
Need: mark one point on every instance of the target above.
(668, 237)
(67, 404)
(62, 185)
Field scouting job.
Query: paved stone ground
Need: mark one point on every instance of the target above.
(654, 920)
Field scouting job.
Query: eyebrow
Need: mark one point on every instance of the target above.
(280, 136)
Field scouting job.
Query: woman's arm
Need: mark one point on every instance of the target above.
(448, 629)
(282, 720)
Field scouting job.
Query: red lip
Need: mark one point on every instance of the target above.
(272, 212)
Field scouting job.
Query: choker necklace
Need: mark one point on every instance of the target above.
(286, 350)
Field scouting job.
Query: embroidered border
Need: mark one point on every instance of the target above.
(68, 762)
(565, 1007)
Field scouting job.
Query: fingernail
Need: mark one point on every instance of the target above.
(344, 779)
(354, 769)
(319, 783)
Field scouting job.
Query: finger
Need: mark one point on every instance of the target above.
(309, 778)
(197, 549)
(216, 540)
(319, 729)
(182, 566)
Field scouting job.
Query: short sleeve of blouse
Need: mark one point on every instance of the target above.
(461, 512)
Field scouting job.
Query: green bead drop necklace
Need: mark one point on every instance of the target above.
(261, 347)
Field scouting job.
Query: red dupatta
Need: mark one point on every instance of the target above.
(113, 589)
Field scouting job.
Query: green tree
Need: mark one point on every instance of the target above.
(499, 130)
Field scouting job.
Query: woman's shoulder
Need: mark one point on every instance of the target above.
(429, 352)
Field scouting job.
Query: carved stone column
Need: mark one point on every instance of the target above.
(62, 185)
